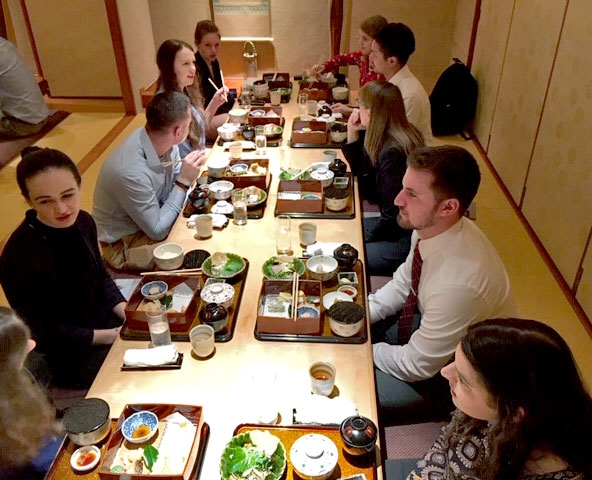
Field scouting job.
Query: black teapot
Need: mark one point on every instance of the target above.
(338, 167)
(325, 110)
(215, 315)
(346, 256)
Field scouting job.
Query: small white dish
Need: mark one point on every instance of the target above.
(314, 456)
(221, 293)
(144, 420)
(223, 208)
(85, 451)
(330, 298)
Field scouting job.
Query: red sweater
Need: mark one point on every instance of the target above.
(367, 73)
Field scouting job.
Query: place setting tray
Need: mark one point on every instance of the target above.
(347, 465)
(315, 329)
(136, 325)
(313, 205)
(317, 137)
(272, 141)
(61, 469)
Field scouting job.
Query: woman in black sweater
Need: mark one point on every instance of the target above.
(379, 138)
(53, 275)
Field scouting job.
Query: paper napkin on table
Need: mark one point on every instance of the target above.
(323, 248)
(324, 410)
(150, 357)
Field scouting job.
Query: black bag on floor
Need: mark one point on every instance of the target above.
(453, 100)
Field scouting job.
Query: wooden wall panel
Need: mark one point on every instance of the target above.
(584, 294)
(492, 36)
(527, 68)
(74, 46)
(559, 184)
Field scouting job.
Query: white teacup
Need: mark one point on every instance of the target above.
(322, 378)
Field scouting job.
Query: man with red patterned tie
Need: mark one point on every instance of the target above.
(453, 277)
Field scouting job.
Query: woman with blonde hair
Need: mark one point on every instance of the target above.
(176, 62)
(379, 138)
(27, 420)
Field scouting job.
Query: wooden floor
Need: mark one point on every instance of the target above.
(538, 295)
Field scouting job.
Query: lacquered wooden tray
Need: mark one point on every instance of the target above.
(346, 464)
(191, 412)
(275, 142)
(180, 332)
(327, 336)
(346, 214)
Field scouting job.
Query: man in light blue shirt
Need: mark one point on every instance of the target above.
(140, 192)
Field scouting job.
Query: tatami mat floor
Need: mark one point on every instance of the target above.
(537, 294)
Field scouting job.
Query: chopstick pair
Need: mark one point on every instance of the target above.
(186, 272)
(295, 279)
(170, 164)
(216, 86)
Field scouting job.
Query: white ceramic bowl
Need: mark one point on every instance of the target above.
(349, 290)
(314, 456)
(159, 284)
(93, 450)
(227, 132)
(217, 166)
(340, 93)
(168, 256)
(322, 267)
(221, 189)
(221, 293)
(329, 80)
(337, 137)
(238, 115)
(345, 329)
(323, 175)
(222, 207)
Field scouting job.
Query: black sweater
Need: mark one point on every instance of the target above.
(380, 184)
(56, 281)
(207, 89)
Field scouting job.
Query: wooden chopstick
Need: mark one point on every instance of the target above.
(169, 164)
(295, 296)
(173, 272)
(216, 86)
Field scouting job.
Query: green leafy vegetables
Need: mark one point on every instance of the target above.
(150, 456)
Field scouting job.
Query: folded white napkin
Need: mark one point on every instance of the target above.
(323, 248)
(150, 357)
(324, 410)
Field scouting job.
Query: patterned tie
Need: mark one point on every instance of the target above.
(410, 308)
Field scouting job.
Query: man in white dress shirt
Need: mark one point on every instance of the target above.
(461, 280)
(391, 50)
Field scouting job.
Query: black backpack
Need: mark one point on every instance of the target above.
(453, 100)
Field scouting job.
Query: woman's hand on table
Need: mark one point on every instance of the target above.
(354, 126)
(105, 336)
(341, 108)
(191, 167)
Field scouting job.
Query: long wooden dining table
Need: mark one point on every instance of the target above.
(246, 374)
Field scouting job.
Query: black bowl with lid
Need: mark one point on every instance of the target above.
(87, 422)
(346, 256)
(359, 435)
(215, 315)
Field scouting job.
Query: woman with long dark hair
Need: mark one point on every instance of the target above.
(523, 411)
(379, 138)
(53, 275)
(176, 63)
(27, 420)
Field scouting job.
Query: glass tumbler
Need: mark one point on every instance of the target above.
(158, 325)
(302, 99)
(260, 140)
(283, 240)
(239, 201)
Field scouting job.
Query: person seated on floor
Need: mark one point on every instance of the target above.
(142, 184)
(522, 410)
(53, 275)
(391, 50)
(29, 439)
(453, 277)
(369, 28)
(379, 138)
(22, 109)
(176, 62)
(207, 41)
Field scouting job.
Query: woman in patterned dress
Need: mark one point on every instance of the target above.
(522, 409)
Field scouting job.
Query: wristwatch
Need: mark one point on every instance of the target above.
(181, 185)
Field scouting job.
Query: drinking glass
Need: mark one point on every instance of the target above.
(285, 158)
(239, 201)
(283, 241)
(158, 325)
(260, 140)
(302, 99)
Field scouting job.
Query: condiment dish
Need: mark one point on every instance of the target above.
(85, 458)
(140, 427)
